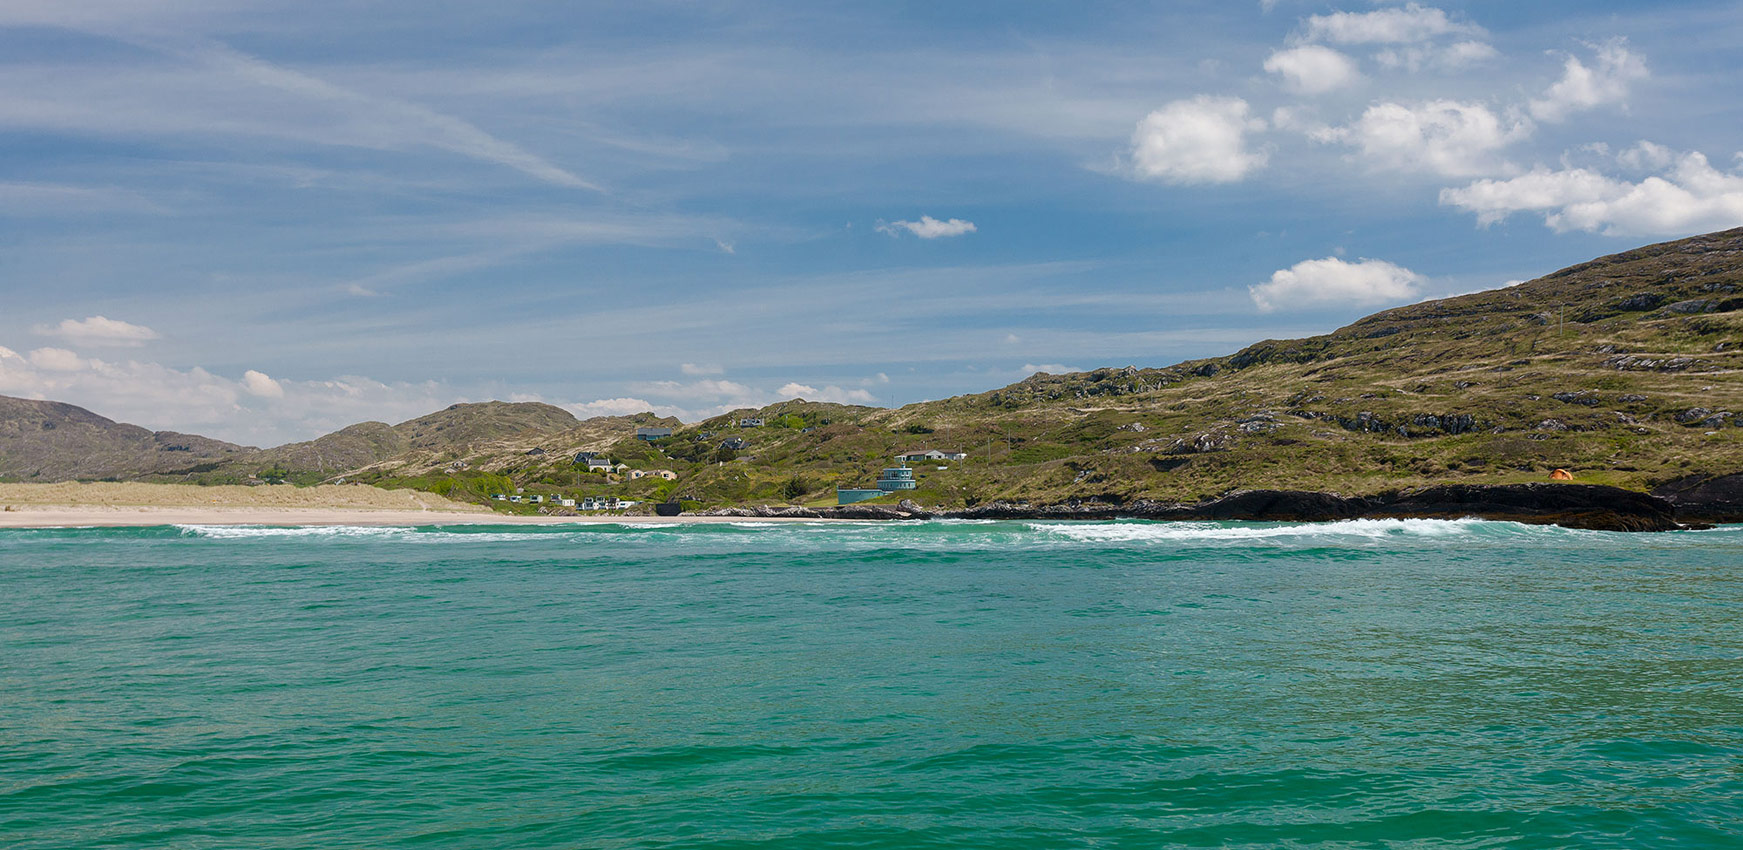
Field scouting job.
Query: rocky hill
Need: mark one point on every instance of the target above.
(1627, 371)
(51, 441)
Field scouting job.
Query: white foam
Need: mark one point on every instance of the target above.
(1360, 529)
(236, 532)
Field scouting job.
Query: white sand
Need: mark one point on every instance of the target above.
(132, 504)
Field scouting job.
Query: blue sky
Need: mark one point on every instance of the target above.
(263, 221)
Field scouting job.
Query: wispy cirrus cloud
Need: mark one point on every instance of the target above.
(99, 331)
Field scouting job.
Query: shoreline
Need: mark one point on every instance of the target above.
(68, 516)
(1594, 507)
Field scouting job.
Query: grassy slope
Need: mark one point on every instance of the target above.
(1648, 336)
(1595, 368)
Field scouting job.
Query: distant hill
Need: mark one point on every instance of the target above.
(51, 441)
(459, 429)
(1626, 370)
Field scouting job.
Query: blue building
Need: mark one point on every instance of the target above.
(897, 478)
(848, 497)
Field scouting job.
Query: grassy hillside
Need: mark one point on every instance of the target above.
(1623, 370)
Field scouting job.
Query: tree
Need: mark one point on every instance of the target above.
(795, 487)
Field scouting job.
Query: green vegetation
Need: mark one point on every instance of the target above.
(1643, 384)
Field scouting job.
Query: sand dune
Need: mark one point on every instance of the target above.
(132, 494)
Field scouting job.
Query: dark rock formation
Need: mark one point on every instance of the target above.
(1705, 498)
(1586, 506)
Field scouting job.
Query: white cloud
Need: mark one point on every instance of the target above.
(1049, 368)
(1466, 53)
(1690, 197)
(1202, 140)
(831, 393)
(928, 227)
(622, 407)
(694, 369)
(709, 397)
(197, 401)
(1333, 280)
(709, 389)
(262, 385)
(1581, 88)
(1452, 57)
(99, 331)
(1646, 156)
(1313, 69)
(1441, 136)
(56, 360)
(1397, 25)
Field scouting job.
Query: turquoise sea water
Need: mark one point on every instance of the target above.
(998, 685)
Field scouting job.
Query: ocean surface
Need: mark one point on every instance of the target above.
(948, 684)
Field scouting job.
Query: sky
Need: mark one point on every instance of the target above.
(263, 221)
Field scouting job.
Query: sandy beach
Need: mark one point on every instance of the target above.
(70, 505)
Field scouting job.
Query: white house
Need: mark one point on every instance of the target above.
(751, 422)
(922, 455)
(637, 474)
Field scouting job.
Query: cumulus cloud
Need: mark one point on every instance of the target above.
(1647, 156)
(1581, 87)
(1397, 25)
(1202, 140)
(1333, 280)
(262, 385)
(1313, 69)
(56, 360)
(928, 227)
(1441, 136)
(1691, 196)
(99, 331)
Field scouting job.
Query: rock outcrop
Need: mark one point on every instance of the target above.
(1705, 498)
(1587, 506)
